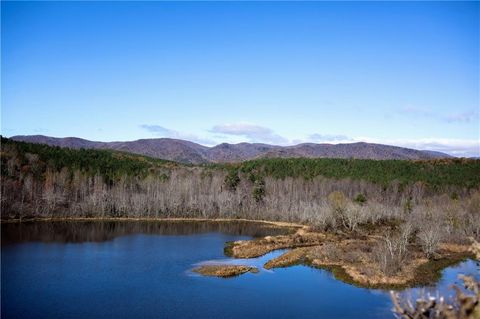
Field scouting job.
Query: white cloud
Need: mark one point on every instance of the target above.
(254, 133)
(460, 117)
(455, 147)
(465, 117)
(328, 138)
(259, 134)
(165, 132)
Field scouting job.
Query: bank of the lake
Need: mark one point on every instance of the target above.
(120, 269)
(303, 244)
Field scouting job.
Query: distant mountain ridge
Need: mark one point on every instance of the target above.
(193, 153)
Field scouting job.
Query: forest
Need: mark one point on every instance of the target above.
(439, 197)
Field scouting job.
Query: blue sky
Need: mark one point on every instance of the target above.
(402, 73)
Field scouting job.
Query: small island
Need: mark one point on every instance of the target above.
(224, 271)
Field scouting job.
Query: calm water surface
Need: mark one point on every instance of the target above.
(143, 270)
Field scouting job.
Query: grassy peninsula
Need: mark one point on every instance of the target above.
(377, 223)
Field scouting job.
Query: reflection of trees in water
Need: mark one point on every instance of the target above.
(94, 231)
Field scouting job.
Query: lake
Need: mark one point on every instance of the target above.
(136, 269)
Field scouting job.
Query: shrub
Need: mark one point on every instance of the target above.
(429, 238)
(351, 217)
(232, 180)
(348, 215)
(391, 252)
(465, 304)
(323, 218)
(474, 204)
(360, 199)
(330, 252)
(338, 201)
(258, 190)
(408, 206)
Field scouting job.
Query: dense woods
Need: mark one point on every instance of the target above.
(338, 194)
(436, 174)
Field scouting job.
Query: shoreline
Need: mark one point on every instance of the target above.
(302, 245)
(152, 219)
(310, 248)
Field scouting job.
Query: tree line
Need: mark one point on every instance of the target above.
(346, 194)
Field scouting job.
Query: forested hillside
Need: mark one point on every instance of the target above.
(44, 181)
(183, 151)
(434, 174)
(37, 159)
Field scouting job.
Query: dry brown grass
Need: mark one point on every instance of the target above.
(259, 247)
(224, 271)
(289, 258)
(465, 305)
(356, 257)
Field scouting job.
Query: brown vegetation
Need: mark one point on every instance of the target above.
(377, 226)
(465, 305)
(32, 189)
(224, 271)
(292, 257)
(259, 247)
(394, 260)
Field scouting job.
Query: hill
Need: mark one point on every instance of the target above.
(110, 164)
(38, 180)
(189, 152)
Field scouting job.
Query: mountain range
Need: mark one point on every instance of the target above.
(193, 153)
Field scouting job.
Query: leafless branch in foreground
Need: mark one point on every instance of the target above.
(465, 304)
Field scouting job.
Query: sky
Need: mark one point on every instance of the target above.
(399, 73)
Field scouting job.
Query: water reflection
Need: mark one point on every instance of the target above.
(98, 231)
(144, 276)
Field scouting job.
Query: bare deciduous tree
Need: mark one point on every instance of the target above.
(429, 238)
